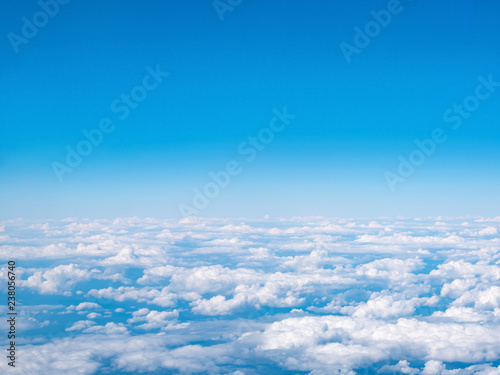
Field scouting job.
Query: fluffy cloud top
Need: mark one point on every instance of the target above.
(311, 295)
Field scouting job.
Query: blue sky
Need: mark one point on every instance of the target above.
(226, 77)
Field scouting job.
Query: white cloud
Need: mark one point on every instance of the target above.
(58, 280)
(153, 319)
(301, 294)
(80, 325)
(386, 306)
(482, 299)
(84, 306)
(489, 231)
(147, 294)
(109, 329)
(402, 367)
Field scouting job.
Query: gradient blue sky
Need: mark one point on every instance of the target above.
(353, 120)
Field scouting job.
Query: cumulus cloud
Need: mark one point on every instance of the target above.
(84, 306)
(58, 280)
(312, 295)
(80, 325)
(386, 306)
(108, 329)
(153, 319)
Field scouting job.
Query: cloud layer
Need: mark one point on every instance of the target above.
(300, 295)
